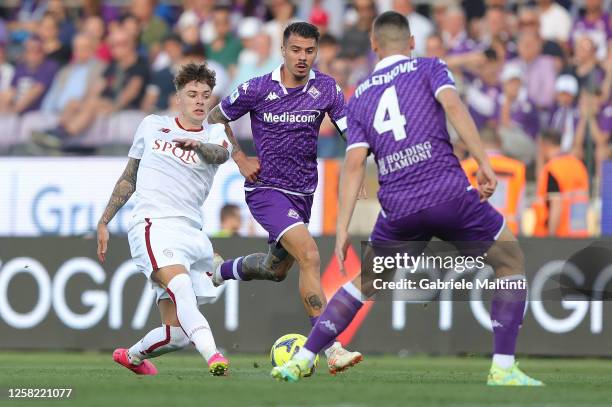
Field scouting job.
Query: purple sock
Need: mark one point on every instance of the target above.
(338, 314)
(507, 309)
(232, 270)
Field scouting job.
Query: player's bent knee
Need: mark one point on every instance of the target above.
(310, 258)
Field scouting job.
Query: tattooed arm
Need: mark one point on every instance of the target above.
(208, 152)
(124, 188)
(248, 166)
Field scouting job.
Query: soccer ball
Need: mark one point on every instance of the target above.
(285, 347)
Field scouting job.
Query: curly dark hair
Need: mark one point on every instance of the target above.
(194, 72)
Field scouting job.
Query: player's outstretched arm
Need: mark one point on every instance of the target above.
(461, 120)
(248, 166)
(209, 153)
(351, 179)
(124, 188)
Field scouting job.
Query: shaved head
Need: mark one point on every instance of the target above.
(391, 32)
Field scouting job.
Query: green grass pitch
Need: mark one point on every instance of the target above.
(379, 381)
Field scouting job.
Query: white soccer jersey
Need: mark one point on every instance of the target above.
(171, 181)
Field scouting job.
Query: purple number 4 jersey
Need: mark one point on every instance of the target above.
(395, 114)
(285, 125)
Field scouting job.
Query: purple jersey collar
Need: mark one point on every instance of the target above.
(276, 76)
(388, 61)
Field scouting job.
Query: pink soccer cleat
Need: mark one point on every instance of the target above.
(218, 365)
(120, 356)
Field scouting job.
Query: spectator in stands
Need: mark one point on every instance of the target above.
(72, 85)
(195, 12)
(508, 196)
(129, 24)
(438, 12)
(120, 88)
(97, 8)
(529, 22)
(248, 30)
(483, 93)
(420, 26)
(564, 115)
(226, 46)
(48, 32)
(562, 194)
(518, 119)
(454, 32)
(586, 67)
(160, 90)
(65, 25)
(591, 125)
(328, 52)
(539, 71)
(25, 18)
(152, 28)
(264, 63)
(434, 47)
(231, 221)
(595, 23)
(94, 27)
(7, 70)
(356, 39)
(196, 54)
(283, 12)
(31, 80)
(320, 19)
(189, 30)
(555, 21)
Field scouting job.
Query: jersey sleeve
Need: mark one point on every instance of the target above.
(356, 131)
(138, 145)
(440, 77)
(240, 101)
(217, 136)
(337, 110)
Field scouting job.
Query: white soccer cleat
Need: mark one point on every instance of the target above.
(340, 359)
(215, 276)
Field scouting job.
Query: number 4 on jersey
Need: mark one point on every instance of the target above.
(388, 116)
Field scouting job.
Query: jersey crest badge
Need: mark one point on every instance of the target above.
(314, 92)
(293, 214)
(164, 130)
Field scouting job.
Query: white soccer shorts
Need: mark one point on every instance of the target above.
(161, 242)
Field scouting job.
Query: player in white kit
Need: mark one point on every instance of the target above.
(170, 171)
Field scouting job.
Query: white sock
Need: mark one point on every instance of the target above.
(503, 361)
(191, 319)
(156, 342)
(304, 353)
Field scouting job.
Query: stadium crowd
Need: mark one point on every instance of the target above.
(76, 77)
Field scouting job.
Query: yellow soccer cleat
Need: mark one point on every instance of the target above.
(510, 377)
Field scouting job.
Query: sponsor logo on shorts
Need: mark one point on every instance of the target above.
(293, 214)
(168, 253)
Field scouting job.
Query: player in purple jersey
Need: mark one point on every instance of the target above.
(399, 114)
(286, 108)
